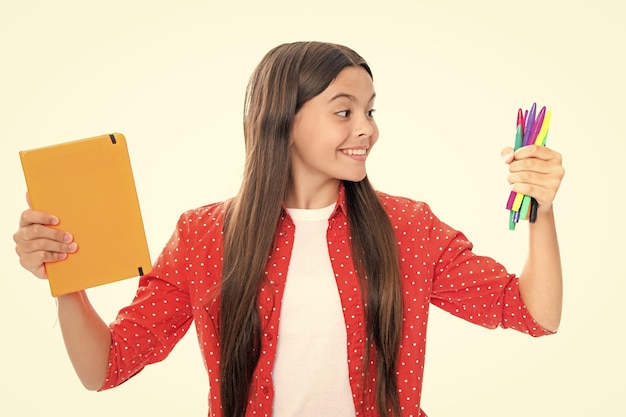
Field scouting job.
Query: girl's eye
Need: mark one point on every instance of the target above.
(346, 113)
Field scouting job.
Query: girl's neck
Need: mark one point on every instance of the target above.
(312, 197)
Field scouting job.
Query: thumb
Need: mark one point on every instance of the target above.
(508, 154)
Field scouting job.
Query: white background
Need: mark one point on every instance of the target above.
(450, 77)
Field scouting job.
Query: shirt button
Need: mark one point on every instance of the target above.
(265, 390)
(270, 337)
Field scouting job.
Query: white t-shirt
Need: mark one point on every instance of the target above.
(311, 370)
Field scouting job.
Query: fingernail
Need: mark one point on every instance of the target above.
(54, 221)
(67, 238)
(72, 247)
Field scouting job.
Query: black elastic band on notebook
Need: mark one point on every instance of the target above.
(140, 269)
(113, 139)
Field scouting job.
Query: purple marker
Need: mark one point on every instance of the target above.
(530, 121)
(537, 126)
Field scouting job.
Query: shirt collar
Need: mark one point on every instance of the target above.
(341, 200)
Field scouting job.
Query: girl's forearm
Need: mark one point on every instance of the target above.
(87, 338)
(541, 281)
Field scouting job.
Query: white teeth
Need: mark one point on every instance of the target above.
(355, 151)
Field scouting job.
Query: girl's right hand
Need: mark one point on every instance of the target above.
(36, 242)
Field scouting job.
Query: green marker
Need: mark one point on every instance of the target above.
(518, 137)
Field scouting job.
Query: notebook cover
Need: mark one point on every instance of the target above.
(88, 184)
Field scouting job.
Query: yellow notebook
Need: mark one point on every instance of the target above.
(88, 184)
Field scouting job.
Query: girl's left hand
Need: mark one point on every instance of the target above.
(536, 171)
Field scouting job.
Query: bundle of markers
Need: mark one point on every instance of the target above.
(532, 129)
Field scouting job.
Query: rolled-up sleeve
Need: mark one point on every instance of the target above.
(476, 288)
(160, 314)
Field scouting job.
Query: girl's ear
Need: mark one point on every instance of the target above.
(294, 124)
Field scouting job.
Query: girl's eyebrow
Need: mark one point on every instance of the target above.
(349, 97)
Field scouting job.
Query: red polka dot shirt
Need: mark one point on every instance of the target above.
(437, 265)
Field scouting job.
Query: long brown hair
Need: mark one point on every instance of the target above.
(287, 77)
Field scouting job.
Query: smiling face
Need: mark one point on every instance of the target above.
(333, 133)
